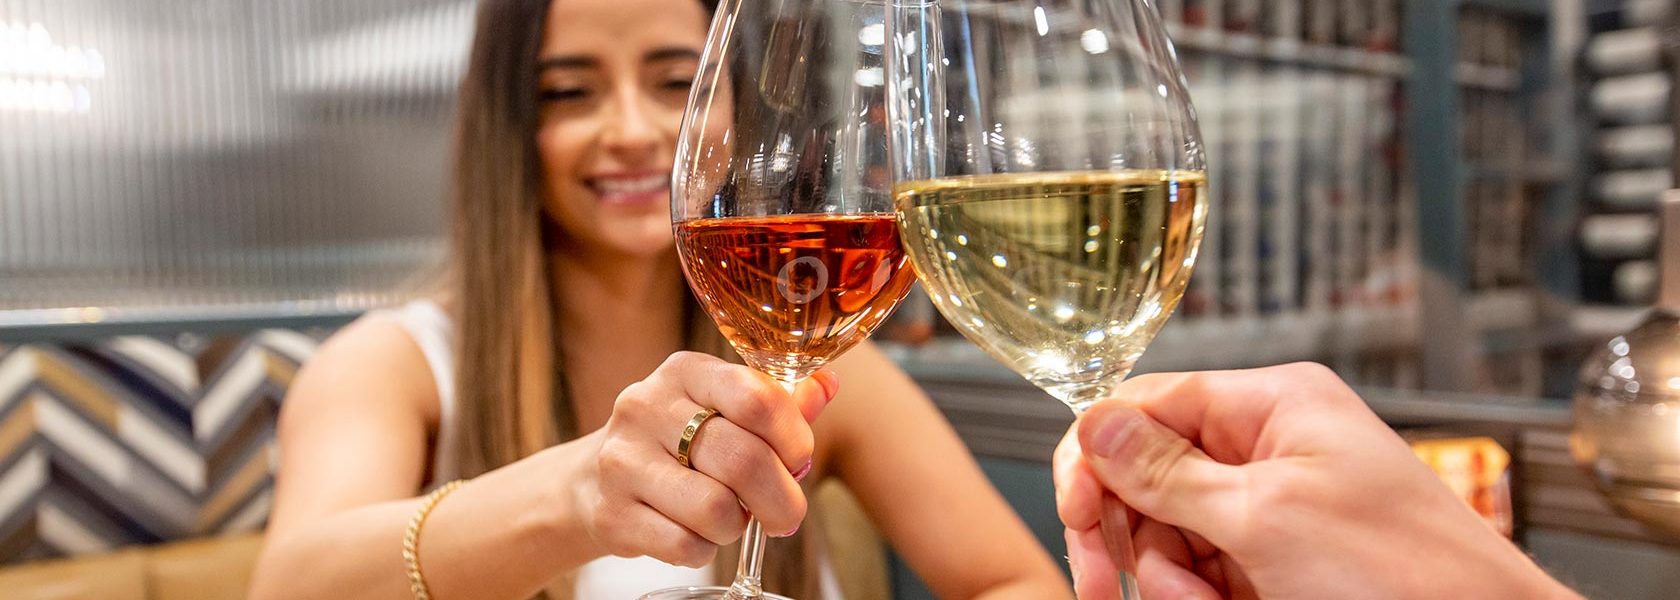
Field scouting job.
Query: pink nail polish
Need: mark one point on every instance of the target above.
(790, 532)
(801, 473)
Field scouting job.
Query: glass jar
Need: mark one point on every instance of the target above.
(1627, 403)
(1627, 421)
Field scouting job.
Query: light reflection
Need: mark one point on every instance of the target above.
(44, 96)
(1093, 41)
(29, 50)
(39, 75)
(873, 35)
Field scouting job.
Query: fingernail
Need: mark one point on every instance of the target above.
(789, 533)
(801, 473)
(1110, 430)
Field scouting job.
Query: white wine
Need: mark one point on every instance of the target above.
(1065, 277)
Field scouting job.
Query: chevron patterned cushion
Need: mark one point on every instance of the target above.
(138, 440)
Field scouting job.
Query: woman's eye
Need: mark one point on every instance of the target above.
(552, 95)
(678, 84)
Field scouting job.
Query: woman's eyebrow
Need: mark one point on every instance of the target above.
(564, 62)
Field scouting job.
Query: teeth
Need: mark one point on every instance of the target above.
(639, 185)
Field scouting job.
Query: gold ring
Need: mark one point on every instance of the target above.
(686, 444)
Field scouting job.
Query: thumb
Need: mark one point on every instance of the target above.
(814, 393)
(1157, 472)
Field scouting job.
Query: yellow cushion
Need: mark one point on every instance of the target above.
(119, 576)
(209, 569)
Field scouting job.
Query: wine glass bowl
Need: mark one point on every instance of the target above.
(1064, 276)
(791, 293)
(1051, 184)
(782, 199)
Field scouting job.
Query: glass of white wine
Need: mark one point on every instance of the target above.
(1050, 181)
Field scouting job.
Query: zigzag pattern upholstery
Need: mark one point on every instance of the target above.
(139, 440)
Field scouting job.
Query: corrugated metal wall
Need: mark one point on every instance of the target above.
(185, 153)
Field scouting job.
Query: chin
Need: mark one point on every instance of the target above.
(643, 240)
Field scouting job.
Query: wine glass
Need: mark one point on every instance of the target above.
(1050, 183)
(782, 196)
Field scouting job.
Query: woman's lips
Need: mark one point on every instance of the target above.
(637, 190)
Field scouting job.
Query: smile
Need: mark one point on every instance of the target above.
(632, 189)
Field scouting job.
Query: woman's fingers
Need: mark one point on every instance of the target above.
(740, 461)
(752, 449)
(692, 499)
(754, 402)
(639, 530)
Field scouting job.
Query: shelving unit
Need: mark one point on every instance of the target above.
(1630, 105)
(1388, 182)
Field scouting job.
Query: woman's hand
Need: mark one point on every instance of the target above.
(635, 499)
(1271, 483)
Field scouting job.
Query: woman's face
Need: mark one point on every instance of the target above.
(614, 76)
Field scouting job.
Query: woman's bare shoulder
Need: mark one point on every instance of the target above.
(371, 363)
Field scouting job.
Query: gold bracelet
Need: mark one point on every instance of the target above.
(411, 539)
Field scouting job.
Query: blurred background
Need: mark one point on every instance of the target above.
(1453, 203)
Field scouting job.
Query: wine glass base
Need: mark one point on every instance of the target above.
(699, 593)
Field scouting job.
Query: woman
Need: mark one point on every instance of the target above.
(566, 393)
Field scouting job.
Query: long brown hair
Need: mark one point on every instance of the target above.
(510, 385)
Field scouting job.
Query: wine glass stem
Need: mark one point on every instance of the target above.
(749, 583)
(748, 579)
(1117, 534)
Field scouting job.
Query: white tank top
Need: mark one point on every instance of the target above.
(608, 578)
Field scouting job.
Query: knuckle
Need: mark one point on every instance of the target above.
(720, 506)
(1309, 371)
(736, 464)
(615, 460)
(758, 404)
(1188, 384)
(635, 397)
(752, 414)
(1152, 387)
(1148, 383)
(1157, 457)
(791, 445)
(690, 551)
(803, 445)
(680, 361)
(611, 526)
(787, 514)
(1309, 383)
